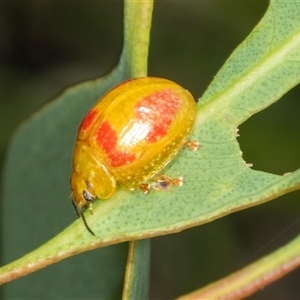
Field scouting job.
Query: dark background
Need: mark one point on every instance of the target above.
(47, 46)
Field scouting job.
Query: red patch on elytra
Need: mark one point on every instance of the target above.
(88, 120)
(120, 158)
(107, 139)
(158, 110)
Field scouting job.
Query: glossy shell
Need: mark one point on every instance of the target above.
(129, 136)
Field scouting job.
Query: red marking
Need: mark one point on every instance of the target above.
(88, 120)
(107, 139)
(158, 109)
(120, 158)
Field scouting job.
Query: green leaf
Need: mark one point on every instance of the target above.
(36, 190)
(136, 34)
(253, 277)
(136, 284)
(217, 181)
(38, 187)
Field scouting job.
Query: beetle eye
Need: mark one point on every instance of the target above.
(87, 196)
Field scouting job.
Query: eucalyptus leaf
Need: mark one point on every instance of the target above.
(217, 180)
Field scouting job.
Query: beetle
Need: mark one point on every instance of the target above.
(129, 136)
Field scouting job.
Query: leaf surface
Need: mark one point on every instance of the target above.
(217, 180)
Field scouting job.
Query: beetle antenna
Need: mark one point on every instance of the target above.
(80, 214)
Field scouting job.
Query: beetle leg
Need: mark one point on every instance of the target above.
(90, 207)
(164, 182)
(145, 187)
(161, 182)
(192, 145)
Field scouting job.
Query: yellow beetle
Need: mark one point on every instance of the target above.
(128, 137)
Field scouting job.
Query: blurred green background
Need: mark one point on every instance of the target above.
(47, 46)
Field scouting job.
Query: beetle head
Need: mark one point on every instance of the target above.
(90, 179)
